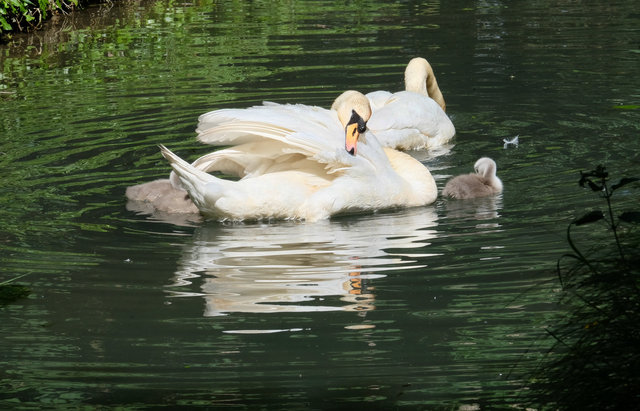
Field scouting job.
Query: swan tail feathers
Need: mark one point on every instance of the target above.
(198, 183)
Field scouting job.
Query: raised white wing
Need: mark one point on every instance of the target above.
(278, 135)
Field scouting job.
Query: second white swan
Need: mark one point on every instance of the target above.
(414, 118)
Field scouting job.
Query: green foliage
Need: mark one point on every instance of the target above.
(595, 360)
(20, 15)
(12, 292)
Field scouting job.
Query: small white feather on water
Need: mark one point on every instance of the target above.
(514, 141)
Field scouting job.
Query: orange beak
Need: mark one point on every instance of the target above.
(351, 138)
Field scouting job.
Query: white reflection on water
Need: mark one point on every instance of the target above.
(299, 267)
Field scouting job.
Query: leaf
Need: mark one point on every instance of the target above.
(590, 217)
(630, 216)
(594, 186)
(601, 171)
(624, 182)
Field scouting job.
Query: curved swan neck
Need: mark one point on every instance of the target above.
(485, 167)
(419, 78)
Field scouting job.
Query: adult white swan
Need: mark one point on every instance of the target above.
(483, 182)
(299, 162)
(414, 118)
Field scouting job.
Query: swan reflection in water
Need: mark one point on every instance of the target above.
(300, 267)
(476, 209)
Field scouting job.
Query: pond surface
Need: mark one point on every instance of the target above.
(436, 307)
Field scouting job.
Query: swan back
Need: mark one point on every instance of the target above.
(422, 186)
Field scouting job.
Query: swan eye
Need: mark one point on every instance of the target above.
(362, 126)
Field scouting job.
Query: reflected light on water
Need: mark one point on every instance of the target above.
(476, 209)
(299, 267)
(263, 331)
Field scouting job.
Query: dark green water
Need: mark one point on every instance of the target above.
(432, 308)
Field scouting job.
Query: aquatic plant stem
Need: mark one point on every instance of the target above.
(13, 279)
(613, 225)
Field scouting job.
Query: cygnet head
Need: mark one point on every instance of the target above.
(353, 112)
(419, 78)
(487, 168)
